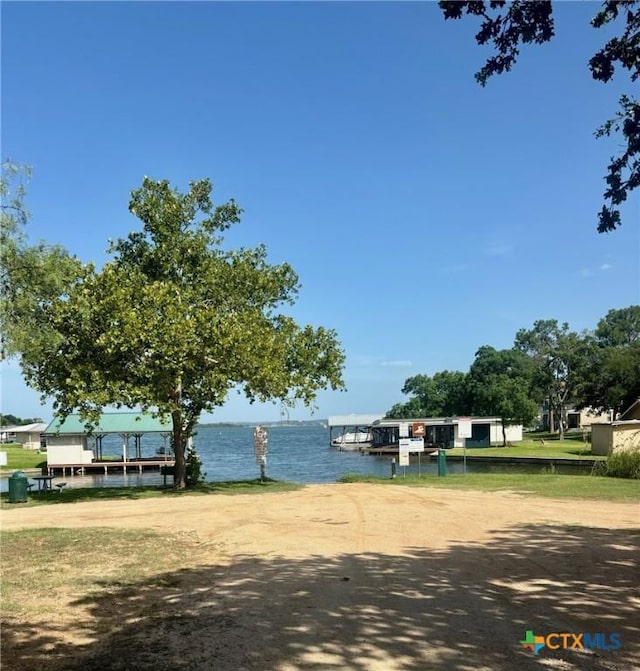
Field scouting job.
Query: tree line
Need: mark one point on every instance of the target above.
(549, 365)
(13, 420)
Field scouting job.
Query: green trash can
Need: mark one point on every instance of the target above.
(442, 462)
(18, 487)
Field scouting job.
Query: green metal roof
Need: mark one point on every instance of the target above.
(113, 422)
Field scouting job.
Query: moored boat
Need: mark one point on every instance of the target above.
(352, 440)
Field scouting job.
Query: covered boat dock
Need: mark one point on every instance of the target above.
(351, 431)
(74, 446)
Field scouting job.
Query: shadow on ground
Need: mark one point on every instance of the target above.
(465, 607)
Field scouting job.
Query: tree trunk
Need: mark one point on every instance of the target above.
(179, 442)
(504, 434)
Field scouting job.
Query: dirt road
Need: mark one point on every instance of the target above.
(377, 578)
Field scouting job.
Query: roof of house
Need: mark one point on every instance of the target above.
(632, 412)
(36, 427)
(435, 421)
(113, 422)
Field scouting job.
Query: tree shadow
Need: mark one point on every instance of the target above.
(464, 607)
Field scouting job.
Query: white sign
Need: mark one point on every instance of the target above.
(407, 445)
(404, 459)
(417, 445)
(260, 444)
(404, 429)
(464, 427)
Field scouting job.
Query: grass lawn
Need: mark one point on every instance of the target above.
(73, 495)
(536, 445)
(558, 450)
(84, 561)
(18, 457)
(549, 486)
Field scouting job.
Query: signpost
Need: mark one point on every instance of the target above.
(260, 447)
(407, 445)
(464, 432)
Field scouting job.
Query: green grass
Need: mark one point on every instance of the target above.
(18, 458)
(559, 450)
(550, 486)
(84, 561)
(72, 495)
(532, 446)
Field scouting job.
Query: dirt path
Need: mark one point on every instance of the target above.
(381, 578)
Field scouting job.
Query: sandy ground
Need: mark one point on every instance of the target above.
(375, 578)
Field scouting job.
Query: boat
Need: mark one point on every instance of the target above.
(352, 440)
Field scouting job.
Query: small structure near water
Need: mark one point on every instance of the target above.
(441, 432)
(73, 446)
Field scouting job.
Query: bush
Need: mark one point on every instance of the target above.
(623, 464)
(193, 464)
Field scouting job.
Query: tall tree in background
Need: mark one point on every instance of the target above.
(611, 372)
(557, 353)
(499, 383)
(438, 396)
(31, 276)
(174, 322)
(531, 21)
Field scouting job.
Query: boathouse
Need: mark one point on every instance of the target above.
(71, 444)
(443, 432)
(352, 430)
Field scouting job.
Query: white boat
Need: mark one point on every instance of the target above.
(352, 440)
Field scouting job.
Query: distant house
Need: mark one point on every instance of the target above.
(579, 419)
(576, 419)
(623, 434)
(27, 435)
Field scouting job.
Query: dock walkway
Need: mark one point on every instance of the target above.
(139, 465)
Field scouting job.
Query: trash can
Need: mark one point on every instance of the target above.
(442, 462)
(18, 487)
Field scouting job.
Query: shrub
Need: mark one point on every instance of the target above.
(193, 464)
(623, 464)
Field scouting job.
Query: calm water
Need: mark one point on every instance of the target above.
(296, 453)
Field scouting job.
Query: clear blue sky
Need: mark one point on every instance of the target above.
(425, 215)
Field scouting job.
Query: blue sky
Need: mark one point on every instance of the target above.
(426, 215)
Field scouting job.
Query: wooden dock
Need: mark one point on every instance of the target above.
(106, 467)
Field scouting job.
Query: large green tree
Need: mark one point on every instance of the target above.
(499, 383)
(439, 395)
(611, 371)
(31, 275)
(558, 355)
(174, 322)
(507, 25)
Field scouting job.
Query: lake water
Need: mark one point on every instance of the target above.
(296, 453)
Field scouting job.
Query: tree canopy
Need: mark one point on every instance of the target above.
(173, 322)
(499, 383)
(433, 396)
(610, 377)
(32, 275)
(507, 25)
